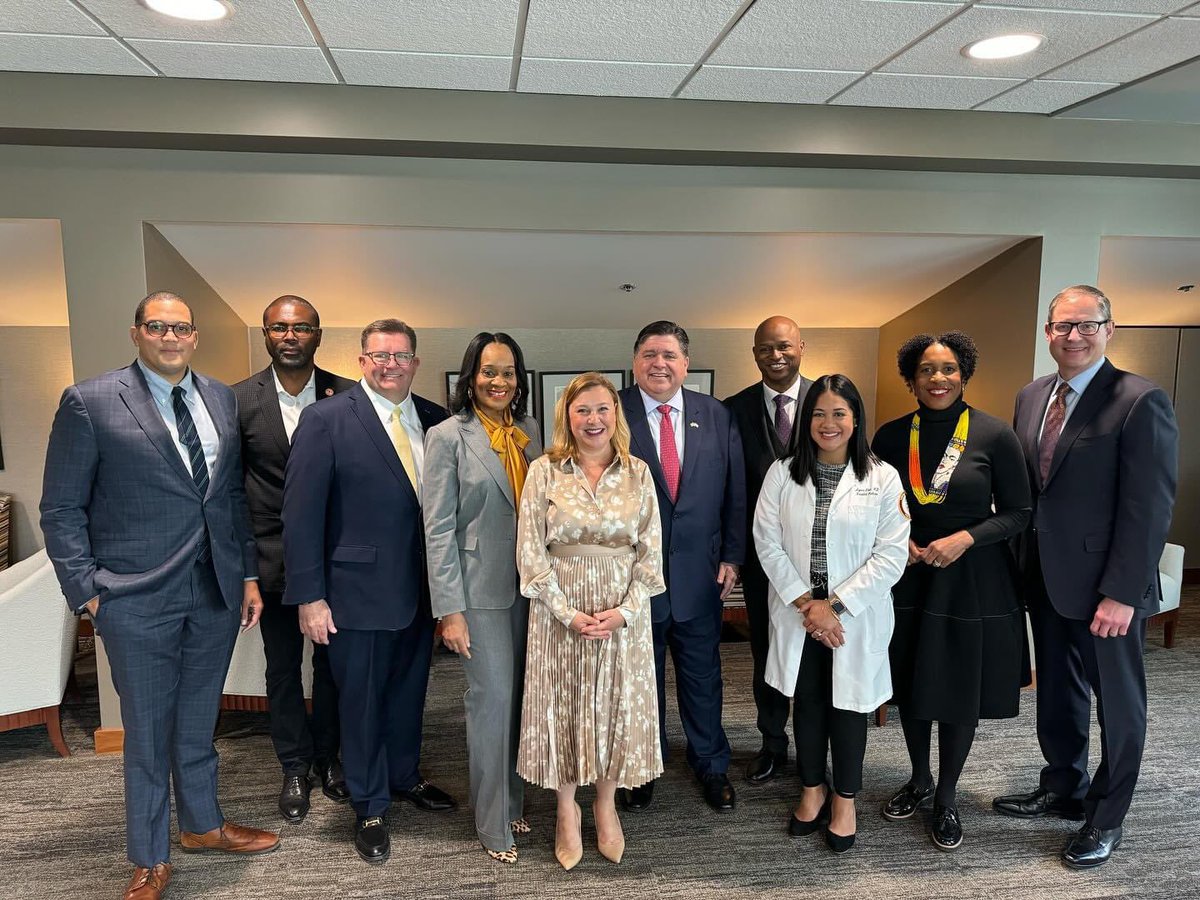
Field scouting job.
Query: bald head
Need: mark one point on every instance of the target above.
(777, 352)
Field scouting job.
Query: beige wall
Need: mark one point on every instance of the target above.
(220, 352)
(35, 366)
(996, 304)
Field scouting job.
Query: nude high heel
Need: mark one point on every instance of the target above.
(569, 859)
(610, 850)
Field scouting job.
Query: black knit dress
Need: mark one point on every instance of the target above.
(958, 652)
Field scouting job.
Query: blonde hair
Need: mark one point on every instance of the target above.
(563, 445)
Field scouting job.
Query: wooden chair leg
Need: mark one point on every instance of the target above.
(881, 715)
(1170, 621)
(54, 727)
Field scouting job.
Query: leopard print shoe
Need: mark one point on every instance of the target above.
(520, 826)
(508, 857)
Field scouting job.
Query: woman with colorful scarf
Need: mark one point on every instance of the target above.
(958, 653)
(475, 465)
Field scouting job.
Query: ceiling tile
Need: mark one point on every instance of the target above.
(1155, 7)
(1067, 36)
(67, 53)
(766, 85)
(838, 35)
(236, 62)
(46, 17)
(424, 70)
(923, 91)
(1044, 96)
(1163, 44)
(487, 27)
(253, 22)
(601, 79)
(666, 31)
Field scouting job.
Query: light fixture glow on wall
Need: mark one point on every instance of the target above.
(1005, 46)
(196, 10)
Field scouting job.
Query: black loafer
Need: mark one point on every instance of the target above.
(1091, 847)
(333, 780)
(427, 797)
(906, 802)
(764, 766)
(946, 830)
(718, 792)
(1038, 804)
(293, 798)
(638, 798)
(371, 840)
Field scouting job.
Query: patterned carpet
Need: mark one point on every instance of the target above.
(61, 831)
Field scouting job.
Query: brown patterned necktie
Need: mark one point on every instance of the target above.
(1052, 429)
(783, 425)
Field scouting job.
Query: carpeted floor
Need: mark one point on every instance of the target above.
(62, 827)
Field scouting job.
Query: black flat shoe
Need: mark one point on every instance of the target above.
(1038, 804)
(802, 827)
(371, 840)
(906, 802)
(333, 780)
(1091, 847)
(839, 843)
(718, 792)
(946, 830)
(293, 798)
(764, 766)
(426, 796)
(638, 798)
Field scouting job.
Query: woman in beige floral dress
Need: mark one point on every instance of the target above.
(589, 553)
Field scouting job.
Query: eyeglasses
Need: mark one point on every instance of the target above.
(1087, 329)
(404, 358)
(159, 329)
(300, 329)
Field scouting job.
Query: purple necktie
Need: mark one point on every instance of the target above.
(1052, 429)
(783, 425)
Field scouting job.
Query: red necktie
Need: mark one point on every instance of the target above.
(1052, 429)
(668, 455)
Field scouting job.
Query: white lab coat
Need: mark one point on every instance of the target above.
(867, 550)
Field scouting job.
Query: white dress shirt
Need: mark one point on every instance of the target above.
(290, 407)
(160, 390)
(1078, 385)
(408, 418)
(790, 409)
(654, 417)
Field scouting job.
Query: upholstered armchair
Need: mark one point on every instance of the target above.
(246, 683)
(1170, 577)
(37, 647)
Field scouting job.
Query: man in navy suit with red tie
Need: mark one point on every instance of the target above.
(691, 444)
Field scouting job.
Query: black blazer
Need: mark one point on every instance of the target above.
(265, 451)
(761, 448)
(1101, 518)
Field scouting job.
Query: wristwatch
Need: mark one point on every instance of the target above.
(837, 606)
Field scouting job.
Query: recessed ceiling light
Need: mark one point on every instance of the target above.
(1005, 46)
(196, 10)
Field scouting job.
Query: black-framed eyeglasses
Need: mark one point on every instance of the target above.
(1087, 329)
(300, 329)
(159, 329)
(381, 358)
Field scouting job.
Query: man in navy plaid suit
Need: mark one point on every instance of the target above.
(144, 515)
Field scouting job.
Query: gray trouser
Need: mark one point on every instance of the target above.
(495, 679)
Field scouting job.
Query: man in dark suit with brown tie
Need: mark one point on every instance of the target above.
(269, 407)
(1102, 452)
(766, 414)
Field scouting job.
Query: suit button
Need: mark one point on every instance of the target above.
(674, 515)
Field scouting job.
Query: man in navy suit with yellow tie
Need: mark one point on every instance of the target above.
(144, 514)
(691, 444)
(355, 564)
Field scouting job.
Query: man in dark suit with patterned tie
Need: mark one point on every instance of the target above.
(353, 545)
(765, 413)
(269, 407)
(1102, 452)
(691, 444)
(144, 514)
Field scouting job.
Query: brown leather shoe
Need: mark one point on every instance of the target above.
(148, 884)
(230, 838)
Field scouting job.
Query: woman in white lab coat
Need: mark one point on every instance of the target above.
(831, 529)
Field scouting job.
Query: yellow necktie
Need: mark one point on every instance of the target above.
(403, 445)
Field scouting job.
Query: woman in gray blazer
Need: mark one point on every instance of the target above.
(475, 464)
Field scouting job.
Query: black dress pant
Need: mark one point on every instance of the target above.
(299, 739)
(823, 729)
(773, 707)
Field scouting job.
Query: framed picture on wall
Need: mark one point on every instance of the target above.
(530, 374)
(551, 387)
(698, 380)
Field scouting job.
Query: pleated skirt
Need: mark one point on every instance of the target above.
(590, 709)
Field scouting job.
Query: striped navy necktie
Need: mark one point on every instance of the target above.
(190, 440)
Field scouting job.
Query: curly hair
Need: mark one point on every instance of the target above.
(961, 344)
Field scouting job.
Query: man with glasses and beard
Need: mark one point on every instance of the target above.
(269, 407)
(355, 565)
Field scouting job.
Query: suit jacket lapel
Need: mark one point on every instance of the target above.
(1086, 407)
(476, 439)
(641, 440)
(767, 436)
(364, 409)
(137, 397)
(1032, 425)
(222, 420)
(693, 424)
(268, 406)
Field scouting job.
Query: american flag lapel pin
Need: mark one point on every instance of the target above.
(693, 424)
